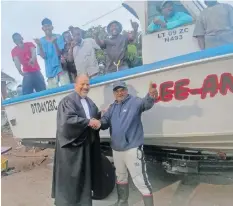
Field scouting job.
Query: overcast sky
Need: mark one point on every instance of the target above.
(25, 17)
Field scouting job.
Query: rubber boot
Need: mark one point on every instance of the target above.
(123, 195)
(148, 200)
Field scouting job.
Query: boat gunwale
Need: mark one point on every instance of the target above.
(160, 66)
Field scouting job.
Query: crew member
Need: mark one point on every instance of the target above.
(50, 49)
(24, 54)
(215, 25)
(116, 46)
(67, 65)
(82, 52)
(170, 19)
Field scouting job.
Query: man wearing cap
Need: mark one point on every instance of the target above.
(24, 55)
(214, 26)
(116, 46)
(123, 118)
(170, 19)
(50, 49)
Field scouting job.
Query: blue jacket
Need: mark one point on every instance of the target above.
(178, 19)
(124, 121)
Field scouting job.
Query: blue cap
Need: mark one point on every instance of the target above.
(46, 21)
(119, 84)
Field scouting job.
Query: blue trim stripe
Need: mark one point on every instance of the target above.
(208, 53)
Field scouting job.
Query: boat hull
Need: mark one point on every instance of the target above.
(194, 110)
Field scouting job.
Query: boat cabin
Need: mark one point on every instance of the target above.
(165, 43)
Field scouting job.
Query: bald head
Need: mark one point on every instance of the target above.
(82, 85)
(81, 76)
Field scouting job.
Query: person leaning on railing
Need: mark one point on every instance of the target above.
(169, 19)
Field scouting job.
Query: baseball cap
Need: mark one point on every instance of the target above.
(119, 84)
(164, 2)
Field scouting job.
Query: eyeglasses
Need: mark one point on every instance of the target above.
(119, 91)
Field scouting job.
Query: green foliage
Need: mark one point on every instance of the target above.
(90, 33)
(134, 49)
(131, 52)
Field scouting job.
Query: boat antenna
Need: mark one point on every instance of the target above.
(119, 7)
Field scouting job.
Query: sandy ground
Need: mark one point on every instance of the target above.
(31, 184)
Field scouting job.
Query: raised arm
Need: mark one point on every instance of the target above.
(95, 45)
(101, 43)
(40, 50)
(147, 103)
(134, 26)
(149, 100)
(59, 44)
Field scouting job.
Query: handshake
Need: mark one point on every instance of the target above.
(94, 124)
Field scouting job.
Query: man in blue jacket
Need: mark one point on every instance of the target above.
(169, 19)
(124, 120)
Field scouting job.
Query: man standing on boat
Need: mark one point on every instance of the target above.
(50, 49)
(25, 54)
(215, 25)
(82, 52)
(80, 172)
(116, 46)
(170, 19)
(123, 118)
(67, 65)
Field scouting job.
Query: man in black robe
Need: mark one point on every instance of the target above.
(80, 172)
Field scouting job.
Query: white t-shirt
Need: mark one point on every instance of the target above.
(86, 108)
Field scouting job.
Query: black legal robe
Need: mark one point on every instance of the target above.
(79, 166)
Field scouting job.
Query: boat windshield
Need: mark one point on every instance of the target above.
(166, 15)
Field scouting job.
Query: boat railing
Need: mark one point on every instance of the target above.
(132, 73)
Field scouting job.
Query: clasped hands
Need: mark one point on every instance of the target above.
(94, 124)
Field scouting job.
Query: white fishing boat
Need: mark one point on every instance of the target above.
(194, 111)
